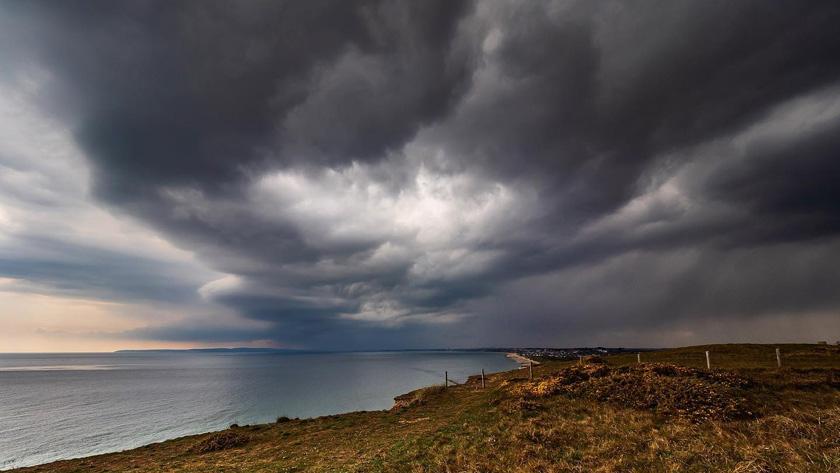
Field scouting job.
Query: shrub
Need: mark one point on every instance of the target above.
(219, 441)
(698, 395)
(595, 360)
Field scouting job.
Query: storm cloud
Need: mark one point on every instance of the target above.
(388, 174)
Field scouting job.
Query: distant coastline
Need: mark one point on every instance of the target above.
(217, 350)
(523, 361)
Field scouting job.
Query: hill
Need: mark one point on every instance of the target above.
(610, 414)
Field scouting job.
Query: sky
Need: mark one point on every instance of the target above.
(397, 174)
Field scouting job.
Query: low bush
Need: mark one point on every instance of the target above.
(219, 441)
(698, 395)
(595, 360)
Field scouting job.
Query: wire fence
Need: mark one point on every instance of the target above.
(736, 357)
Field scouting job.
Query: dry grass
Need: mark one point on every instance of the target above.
(616, 420)
(421, 396)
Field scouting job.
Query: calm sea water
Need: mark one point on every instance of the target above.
(59, 406)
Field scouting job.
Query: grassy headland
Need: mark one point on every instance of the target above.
(612, 414)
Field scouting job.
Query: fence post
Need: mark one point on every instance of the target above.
(581, 360)
(708, 362)
(446, 379)
(778, 358)
(638, 357)
(530, 370)
(482, 378)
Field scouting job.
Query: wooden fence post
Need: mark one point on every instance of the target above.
(482, 378)
(778, 358)
(530, 370)
(708, 362)
(638, 357)
(446, 379)
(581, 360)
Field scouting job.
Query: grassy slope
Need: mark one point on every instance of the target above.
(469, 429)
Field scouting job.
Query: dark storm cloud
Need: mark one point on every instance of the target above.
(196, 332)
(365, 171)
(194, 92)
(789, 187)
(83, 271)
(591, 95)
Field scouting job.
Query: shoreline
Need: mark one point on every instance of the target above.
(523, 361)
(126, 442)
(356, 440)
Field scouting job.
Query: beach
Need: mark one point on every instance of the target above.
(523, 361)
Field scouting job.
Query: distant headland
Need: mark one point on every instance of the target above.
(217, 350)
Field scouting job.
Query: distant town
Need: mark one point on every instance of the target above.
(567, 353)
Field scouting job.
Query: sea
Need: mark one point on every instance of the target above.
(61, 406)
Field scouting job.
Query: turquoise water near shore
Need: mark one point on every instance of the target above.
(59, 406)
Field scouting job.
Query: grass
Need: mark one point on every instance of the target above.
(422, 396)
(618, 417)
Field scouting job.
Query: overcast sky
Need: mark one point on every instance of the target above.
(361, 175)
